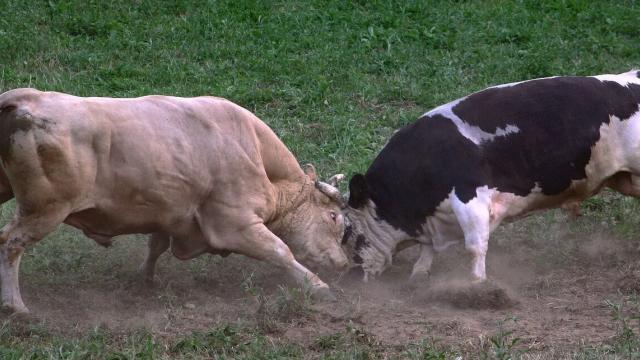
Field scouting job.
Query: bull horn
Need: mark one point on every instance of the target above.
(335, 179)
(331, 191)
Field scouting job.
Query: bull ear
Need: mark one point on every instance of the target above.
(358, 191)
(310, 170)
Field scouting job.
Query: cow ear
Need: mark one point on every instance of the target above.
(310, 170)
(358, 191)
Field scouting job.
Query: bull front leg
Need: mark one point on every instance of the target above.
(258, 242)
(158, 243)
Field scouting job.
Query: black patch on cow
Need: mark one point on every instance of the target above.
(558, 120)
(360, 244)
(540, 105)
(358, 191)
(348, 231)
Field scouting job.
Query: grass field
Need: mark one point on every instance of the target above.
(334, 79)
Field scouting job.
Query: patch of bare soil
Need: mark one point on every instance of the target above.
(487, 295)
(553, 305)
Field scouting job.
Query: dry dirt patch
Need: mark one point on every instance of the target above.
(551, 306)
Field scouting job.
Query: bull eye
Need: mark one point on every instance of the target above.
(333, 215)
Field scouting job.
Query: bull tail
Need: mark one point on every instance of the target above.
(13, 110)
(7, 115)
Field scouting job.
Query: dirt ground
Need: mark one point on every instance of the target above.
(546, 306)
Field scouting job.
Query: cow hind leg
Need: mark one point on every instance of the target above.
(422, 266)
(156, 246)
(625, 183)
(475, 221)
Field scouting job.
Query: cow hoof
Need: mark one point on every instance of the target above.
(415, 281)
(323, 294)
(420, 277)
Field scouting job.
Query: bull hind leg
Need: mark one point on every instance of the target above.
(474, 218)
(45, 186)
(22, 231)
(158, 243)
(6, 193)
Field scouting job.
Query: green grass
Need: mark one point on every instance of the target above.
(334, 79)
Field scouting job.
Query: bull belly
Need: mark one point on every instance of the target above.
(108, 224)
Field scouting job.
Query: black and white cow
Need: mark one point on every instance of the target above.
(495, 155)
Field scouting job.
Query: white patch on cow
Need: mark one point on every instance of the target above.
(623, 79)
(633, 73)
(618, 149)
(536, 188)
(381, 240)
(518, 82)
(471, 132)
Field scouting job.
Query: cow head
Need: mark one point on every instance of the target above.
(317, 226)
(368, 240)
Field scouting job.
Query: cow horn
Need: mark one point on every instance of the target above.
(335, 179)
(331, 191)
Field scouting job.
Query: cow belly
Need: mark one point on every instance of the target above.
(442, 229)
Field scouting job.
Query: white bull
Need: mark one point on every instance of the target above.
(202, 174)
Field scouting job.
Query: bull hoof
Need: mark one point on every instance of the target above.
(323, 294)
(14, 310)
(147, 280)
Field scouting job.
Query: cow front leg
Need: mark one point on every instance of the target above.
(475, 221)
(422, 266)
(260, 243)
(156, 246)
